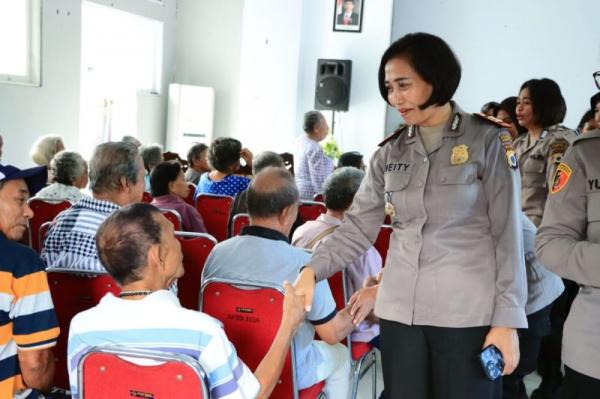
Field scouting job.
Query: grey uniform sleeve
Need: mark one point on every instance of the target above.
(561, 243)
(360, 227)
(502, 187)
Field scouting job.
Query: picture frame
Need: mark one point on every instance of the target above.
(348, 15)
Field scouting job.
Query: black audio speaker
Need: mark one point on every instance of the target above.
(332, 91)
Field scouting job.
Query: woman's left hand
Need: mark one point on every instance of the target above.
(361, 304)
(507, 341)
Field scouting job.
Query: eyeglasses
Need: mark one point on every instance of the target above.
(596, 76)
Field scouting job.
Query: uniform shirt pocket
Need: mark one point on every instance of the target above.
(456, 193)
(466, 174)
(395, 192)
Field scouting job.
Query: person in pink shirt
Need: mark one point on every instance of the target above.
(339, 190)
(169, 190)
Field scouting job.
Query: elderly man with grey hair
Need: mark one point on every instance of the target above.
(262, 253)
(70, 174)
(152, 155)
(338, 191)
(116, 180)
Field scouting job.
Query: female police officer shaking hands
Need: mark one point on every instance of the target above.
(454, 280)
(568, 243)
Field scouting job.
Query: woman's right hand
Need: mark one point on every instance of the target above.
(305, 285)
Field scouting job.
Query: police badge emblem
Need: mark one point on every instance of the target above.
(460, 154)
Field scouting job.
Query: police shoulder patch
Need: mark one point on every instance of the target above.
(394, 135)
(492, 120)
(509, 150)
(561, 177)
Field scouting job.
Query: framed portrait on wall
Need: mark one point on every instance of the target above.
(347, 15)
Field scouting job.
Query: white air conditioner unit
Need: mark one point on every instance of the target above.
(191, 117)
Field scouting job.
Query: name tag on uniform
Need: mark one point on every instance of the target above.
(460, 154)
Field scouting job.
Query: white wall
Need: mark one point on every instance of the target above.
(53, 108)
(503, 44)
(208, 53)
(363, 126)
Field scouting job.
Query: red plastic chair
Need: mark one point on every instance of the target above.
(215, 211)
(104, 373)
(43, 211)
(318, 197)
(251, 315)
(311, 210)
(191, 191)
(42, 233)
(363, 353)
(174, 217)
(147, 197)
(382, 243)
(195, 248)
(73, 293)
(239, 221)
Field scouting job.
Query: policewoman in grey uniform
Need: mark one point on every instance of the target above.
(454, 280)
(568, 243)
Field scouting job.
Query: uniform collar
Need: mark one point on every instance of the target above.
(264, 232)
(453, 127)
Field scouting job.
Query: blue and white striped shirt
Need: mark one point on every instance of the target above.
(71, 241)
(158, 322)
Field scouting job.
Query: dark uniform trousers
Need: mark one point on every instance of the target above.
(415, 356)
(579, 386)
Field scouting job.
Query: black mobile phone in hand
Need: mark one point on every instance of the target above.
(492, 362)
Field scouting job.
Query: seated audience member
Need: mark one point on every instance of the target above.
(70, 173)
(169, 191)
(508, 114)
(224, 156)
(310, 163)
(44, 149)
(262, 253)
(587, 122)
(137, 246)
(353, 158)
(116, 179)
(152, 155)
(29, 326)
(490, 109)
(339, 190)
(133, 140)
(197, 158)
(261, 161)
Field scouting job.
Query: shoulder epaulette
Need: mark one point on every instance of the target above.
(492, 120)
(394, 135)
(592, 134)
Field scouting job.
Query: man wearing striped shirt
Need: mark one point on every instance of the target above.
(116, 179)
(137, 246)
(28, 326)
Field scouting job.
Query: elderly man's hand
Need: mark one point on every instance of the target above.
(361, 304)
(293, 307)
(507, 341)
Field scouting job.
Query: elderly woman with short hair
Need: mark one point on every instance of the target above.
(152, 155)
(70, 173)
(44, 149)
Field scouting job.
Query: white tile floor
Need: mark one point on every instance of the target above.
(364, 387)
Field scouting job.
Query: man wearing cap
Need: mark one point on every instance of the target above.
(28, 326)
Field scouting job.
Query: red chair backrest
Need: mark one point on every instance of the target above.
(174, 217)
(382, 243)
(147, 197)
(195, 248)
(318, 197)
(191, 191)
(240, 221)
(42, 233)
(71, 294)
(215, 211)
(43, 211)
(104, 374)
(251, 318)
(310, 210)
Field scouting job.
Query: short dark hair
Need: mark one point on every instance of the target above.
(124, 239)
(264, 159)
(432, 59)
(588, 116)
(163, 174)
(352, 158)
(491, 106)
(594, 100)
(509, 105)
(547, 102)
(195, 151)
(270, 201)
(311, 118)
(223, 153)
(341, 186)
